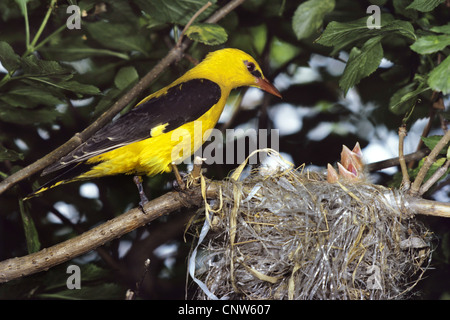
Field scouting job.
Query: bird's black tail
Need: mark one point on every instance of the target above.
(70, 174)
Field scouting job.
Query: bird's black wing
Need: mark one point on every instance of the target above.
(181, 104)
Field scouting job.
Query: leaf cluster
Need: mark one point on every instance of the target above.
(413, 36)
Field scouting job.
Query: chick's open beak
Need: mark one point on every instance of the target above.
(265, 85)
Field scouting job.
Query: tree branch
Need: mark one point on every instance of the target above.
(428, 207)
(375, 166)
(406, 183)
(434, 178)
(173, 55)
(15, 268)
(49, 257)
(429, 160)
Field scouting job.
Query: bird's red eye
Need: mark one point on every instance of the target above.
(252, 69)
(250, 66)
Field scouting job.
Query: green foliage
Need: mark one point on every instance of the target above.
(405, 98)
(175, 11)
(308, 17)
(438, 77)
(425, 5)
(207, 33)
(365, 60)
(31, 234)
(432, 141)
(8, 154)
(342, 35)
(430, 44)
(361, 63)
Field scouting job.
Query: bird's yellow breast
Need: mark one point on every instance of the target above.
(156, 154)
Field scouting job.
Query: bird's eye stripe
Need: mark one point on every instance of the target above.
(256, 73)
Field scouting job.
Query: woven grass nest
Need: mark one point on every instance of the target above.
(290, 234)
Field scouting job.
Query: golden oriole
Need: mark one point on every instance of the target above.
(141, 141)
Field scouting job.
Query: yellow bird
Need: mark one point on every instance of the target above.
(141, 142)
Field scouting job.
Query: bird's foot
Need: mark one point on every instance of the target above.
(138, 181)
(179, 184)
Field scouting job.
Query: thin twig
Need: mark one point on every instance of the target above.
(130, 294)
(434, 178)
(429, 160)
(392, 162)
(219, 14)
(195, 16)
(406, 183)
(443, 122)
(427, 128)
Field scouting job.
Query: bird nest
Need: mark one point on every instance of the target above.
(290, 234)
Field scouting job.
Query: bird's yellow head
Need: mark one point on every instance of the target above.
(235, 68)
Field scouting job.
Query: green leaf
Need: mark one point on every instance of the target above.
(25, 116)
(118, 36)
(400, 7)
(432, 141)
(28, 97)
(361, 63)
(342, 34)
(8, 58)
(71, 85)
(405, 98)
(430, 44)
(308, 17)
(424, 5)
(400, 27)
(80, 88)
(31, 234)
(126, 77)
(8, 154)
(207, 33)
(175, 11)
(76, 49)
(448, 153)
(439, 79)
(34, 66)
(441, 29)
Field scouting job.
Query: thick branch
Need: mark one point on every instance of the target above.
(22, 266)
(429, 207)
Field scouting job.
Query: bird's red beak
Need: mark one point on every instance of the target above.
(265, 85)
